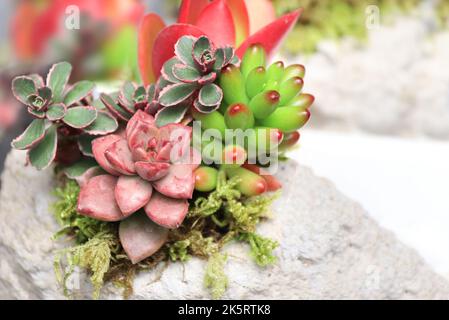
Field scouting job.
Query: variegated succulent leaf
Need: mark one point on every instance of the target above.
(189, 77)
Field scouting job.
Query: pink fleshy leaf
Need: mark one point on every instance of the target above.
(132, 194)
(178, 136)
(190, 10)
(217, 21)
(271, 36)
(97, 199)
(167, 212)
(120, 158)
(99, 147)
(152, 171)
(178, 183)
(261, 13)
(164, 46)
(88, 174)
(150, 27)
(141, 237)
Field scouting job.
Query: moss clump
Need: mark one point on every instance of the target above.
(214, 219)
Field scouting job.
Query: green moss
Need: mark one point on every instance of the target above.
(215, 278)
(261, 248)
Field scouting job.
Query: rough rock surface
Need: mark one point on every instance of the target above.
(329, 249)
(393, 84)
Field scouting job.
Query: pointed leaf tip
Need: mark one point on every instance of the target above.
(190, 10)
(272, 35)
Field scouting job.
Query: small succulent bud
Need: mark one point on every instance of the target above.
(205, 179)
(214, 120)
(302, 101)
(255, 81)
(254, 57)
(251, 184)
(233, 156)
(294, 70)
(290, 139)
(264, 104)
(274, 75)
(290, 89)
(239, 116)
(233, 85)
(287, 119)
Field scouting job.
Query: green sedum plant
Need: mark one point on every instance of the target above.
(190, 77)
(59, 111)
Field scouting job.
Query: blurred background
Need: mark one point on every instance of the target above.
(379, 70)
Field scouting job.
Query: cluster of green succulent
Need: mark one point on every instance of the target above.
(64, 115)
(267, 99)
(329, 19)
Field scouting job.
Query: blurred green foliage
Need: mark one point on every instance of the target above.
(330, 19)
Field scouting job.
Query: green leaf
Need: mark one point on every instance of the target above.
(114, 108)
(210, 95)
(80, 167)
(126, 95)
(44, 153)
(85, 144)
(22, 88)
(170, 115)
(38, 81)
(185, 73)
(57, 79)
(80, 117)
(36, 113)
(78, 92)
(219, 59)
(167, 70)
(184, 49)
(31, 136)
(56, 112)
(104, 124)
(176, 93)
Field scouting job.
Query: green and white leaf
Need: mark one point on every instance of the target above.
(103, 124)
(85, 144)
(201, 45)
(167, 70)
(57, 79)
(170, 115)
(176, 93)
(114, 108)
(43, 154)
(185, 73)
(79, 168)
(31, 136)
(80, 117)
(56, 111)
(22, 88)
(79, 91)
(210, 95)
(184, 49)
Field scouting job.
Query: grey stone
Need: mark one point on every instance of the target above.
(329, 249)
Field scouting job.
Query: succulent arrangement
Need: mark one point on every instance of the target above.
(140, 181)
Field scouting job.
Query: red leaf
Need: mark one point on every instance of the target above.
(164, 46)
(216, 20)
(190, 10)
(271, 36)
(241, 20)
(97, 199)
(150, 27)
